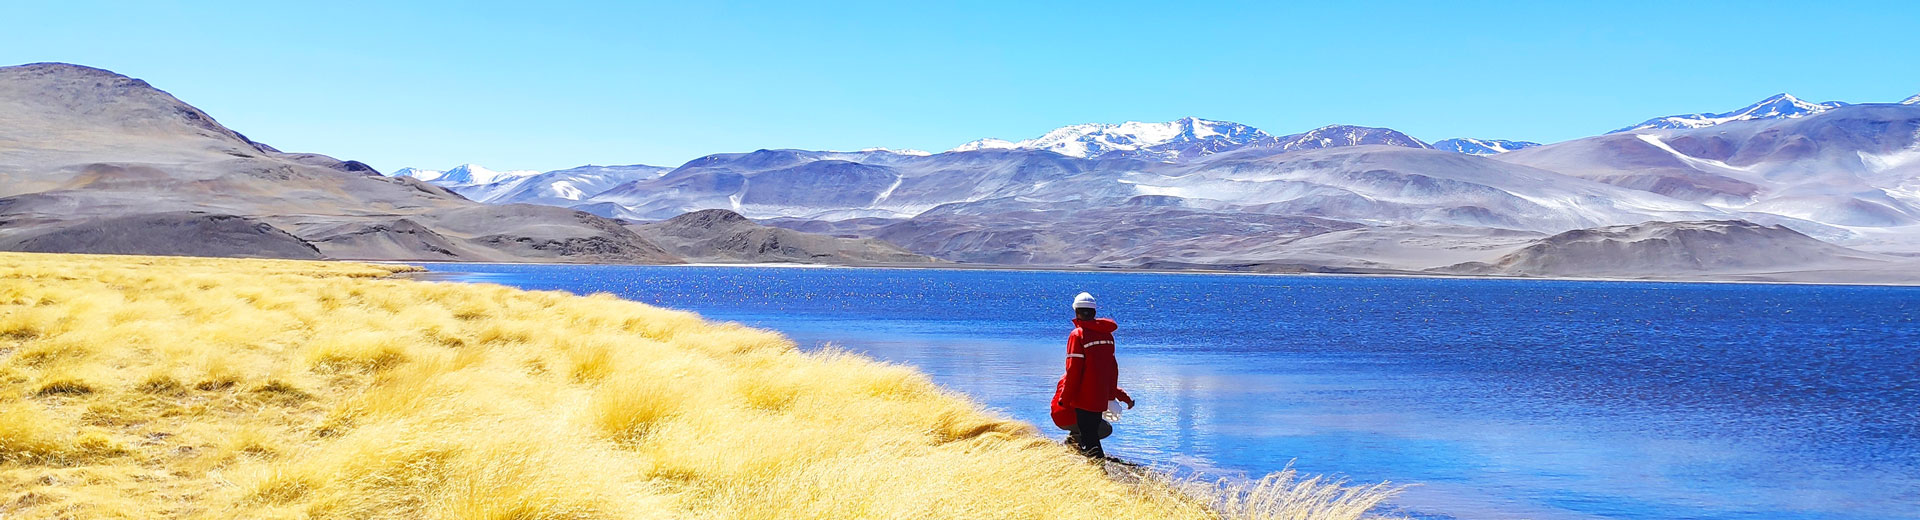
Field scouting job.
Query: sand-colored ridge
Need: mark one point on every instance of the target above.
(167, 387)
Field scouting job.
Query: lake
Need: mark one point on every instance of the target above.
(1500, 398)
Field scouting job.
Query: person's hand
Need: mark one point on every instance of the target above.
(1127, 399)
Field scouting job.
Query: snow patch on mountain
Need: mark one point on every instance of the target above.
(1878, 163)
(1696, 162)
(1471, 146)
(1780, 106)
(1915, 100)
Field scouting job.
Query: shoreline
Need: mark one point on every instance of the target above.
(1123, 270)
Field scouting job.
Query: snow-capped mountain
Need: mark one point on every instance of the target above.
(463, 175)
(1915, 100)
(1471, 146)
(423, 175)
(473, 181)
(1181, 138)
(555, 188)
(1780, 106)
(570, 186)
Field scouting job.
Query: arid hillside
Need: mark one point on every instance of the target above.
(96, 162)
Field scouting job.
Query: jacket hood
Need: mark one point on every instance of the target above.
(1097, 325)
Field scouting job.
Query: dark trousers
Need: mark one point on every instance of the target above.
(1084, 422)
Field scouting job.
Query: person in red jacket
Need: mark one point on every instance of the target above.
(1091, 381)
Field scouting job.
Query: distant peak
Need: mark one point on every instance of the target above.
(1785, 99)
(1777, 106)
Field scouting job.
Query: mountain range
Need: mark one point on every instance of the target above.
(92, 161)
(1186, 138)
(1205, 193)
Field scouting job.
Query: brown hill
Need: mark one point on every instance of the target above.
(91, 160)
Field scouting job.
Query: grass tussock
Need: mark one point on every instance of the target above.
(135, 387)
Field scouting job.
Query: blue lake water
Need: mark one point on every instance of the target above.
(1500, 398)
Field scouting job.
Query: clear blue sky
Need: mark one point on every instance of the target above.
(546, 85)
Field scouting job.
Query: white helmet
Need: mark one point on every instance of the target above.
(1083, 301)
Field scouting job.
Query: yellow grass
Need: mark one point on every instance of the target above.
(137, 387)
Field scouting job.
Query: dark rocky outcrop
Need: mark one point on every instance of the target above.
(183, 233)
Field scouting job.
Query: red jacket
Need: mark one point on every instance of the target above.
(1093, 376)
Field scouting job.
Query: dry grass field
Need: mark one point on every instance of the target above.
(146, 387)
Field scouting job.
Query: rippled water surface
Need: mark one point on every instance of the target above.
(1502, 398)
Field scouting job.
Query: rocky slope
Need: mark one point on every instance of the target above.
(91, 160)
(718, 235)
